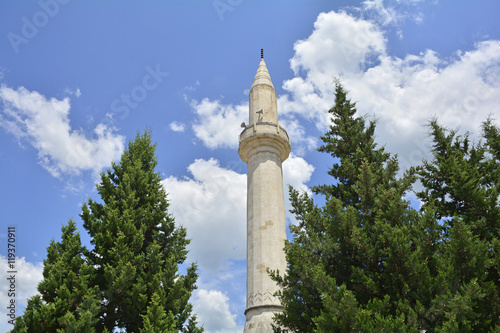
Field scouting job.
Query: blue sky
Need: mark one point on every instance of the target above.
(79, 79)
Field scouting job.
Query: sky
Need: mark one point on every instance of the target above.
(79, 79)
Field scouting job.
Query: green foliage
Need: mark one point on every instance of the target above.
(87, 317)
(130, 279)
(67, 298)
(463, 183)
(156, 320)
(366, 261)
(464, 179)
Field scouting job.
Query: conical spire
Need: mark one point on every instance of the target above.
(262, 76)
(262, 97)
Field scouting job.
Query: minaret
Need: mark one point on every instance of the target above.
(264, 145)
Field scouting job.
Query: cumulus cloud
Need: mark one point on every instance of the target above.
(296, 172)
(385, 15)
(212, 201)
(212, 309)
(401, 93)
(301, 141)
(177, 126)
(211, 204)
(27, 278)
(44, 123)
(217, 125)
(392, 13)
(340, 44)
(334, 49)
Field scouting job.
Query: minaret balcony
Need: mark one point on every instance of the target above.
(262, 134)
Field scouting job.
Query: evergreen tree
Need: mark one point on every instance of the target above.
(130, 280)
(365, 261)
(137, 247)
(463, 182)
(67, 302)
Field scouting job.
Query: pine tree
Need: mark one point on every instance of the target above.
(67, 301)
(463, 182)
(137, 247)
(365, 261)
(130, 279)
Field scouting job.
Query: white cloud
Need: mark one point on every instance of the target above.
(301, 142)
(177, 126)
(213, 202)
(402, 94)
(405, 93)
(386, 15)
(75, 92)
(393, 12)
(217, 124)
(212, 309)
(26, 281)
(45, 124)
(211, 205)
(297, 172)
(339, 44)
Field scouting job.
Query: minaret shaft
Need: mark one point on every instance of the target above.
(264, 146)
(265, 226)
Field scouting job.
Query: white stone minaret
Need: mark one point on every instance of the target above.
(264, 145)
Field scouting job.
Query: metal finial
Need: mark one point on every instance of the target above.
(262, 53)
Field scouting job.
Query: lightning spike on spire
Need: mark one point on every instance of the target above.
(262, 53)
